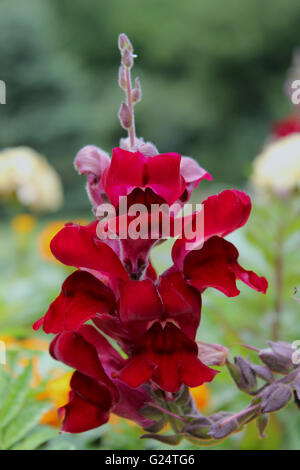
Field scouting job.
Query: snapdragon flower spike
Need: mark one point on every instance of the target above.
(153, 319)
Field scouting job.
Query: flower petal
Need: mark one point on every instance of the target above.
(182, 303)
(79, 415)
(130, 170)
(79, 246)
(215, 265)
(139, 305)
(81, 298)
(223, 213)
(164, 354)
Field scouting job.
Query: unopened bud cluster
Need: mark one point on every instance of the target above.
(272, 384)
(134, 95)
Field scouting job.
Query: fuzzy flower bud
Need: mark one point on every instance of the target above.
(125, 116)
(124, 42)
(136, 94)
(212, 354)
(127, 59)
(278, 358)
(247, 378)
(122, 78)
(275, 397)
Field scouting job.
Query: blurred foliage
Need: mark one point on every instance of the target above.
(20, 411)
(213, 75)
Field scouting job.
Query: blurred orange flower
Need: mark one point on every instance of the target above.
(201, 396)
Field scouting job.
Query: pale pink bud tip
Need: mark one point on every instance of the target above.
(125, 116)
(146, 148)
(91, 159)
(212, 354)
(124, 42)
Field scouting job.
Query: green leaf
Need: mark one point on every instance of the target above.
(39, 436)
(62, 446)
(16, 396)
(24, 422)
(4, 384)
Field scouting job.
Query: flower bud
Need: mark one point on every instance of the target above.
(199, 427)
(262, 423)
(124, 42)
(136, 94)
(151, 412)
(146, 148)
(262, 371)
(212, 354)
(242, 374)
(275, 397)
(122, 78)
(127, 59)
(247, 378)
(125, 116)
(278, 358)
(220, 430)
(157, 425)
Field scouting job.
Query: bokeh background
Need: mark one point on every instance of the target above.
(213, 83)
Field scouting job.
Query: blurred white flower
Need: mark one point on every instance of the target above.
(277, 168)
(27, 175)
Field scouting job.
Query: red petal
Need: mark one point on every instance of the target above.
(80, 415)
(162, 354)
(182, 302)
(124, 174)
(223, 213)
(163, 175)
(215, 265)
(130, 170)
(139, 304)
(72, 349)
(81, 298)
(79, 246)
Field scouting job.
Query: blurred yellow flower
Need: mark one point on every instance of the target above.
(57, 391)
(277, 168)
(46, 235)
(23, 223)
(201, 396)
(26, 174)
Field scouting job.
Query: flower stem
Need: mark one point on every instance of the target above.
(278, 284)
(131, 130)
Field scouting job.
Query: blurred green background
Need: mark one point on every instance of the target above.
(212, 78)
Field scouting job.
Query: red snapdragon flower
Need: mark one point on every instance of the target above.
(153, 319)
